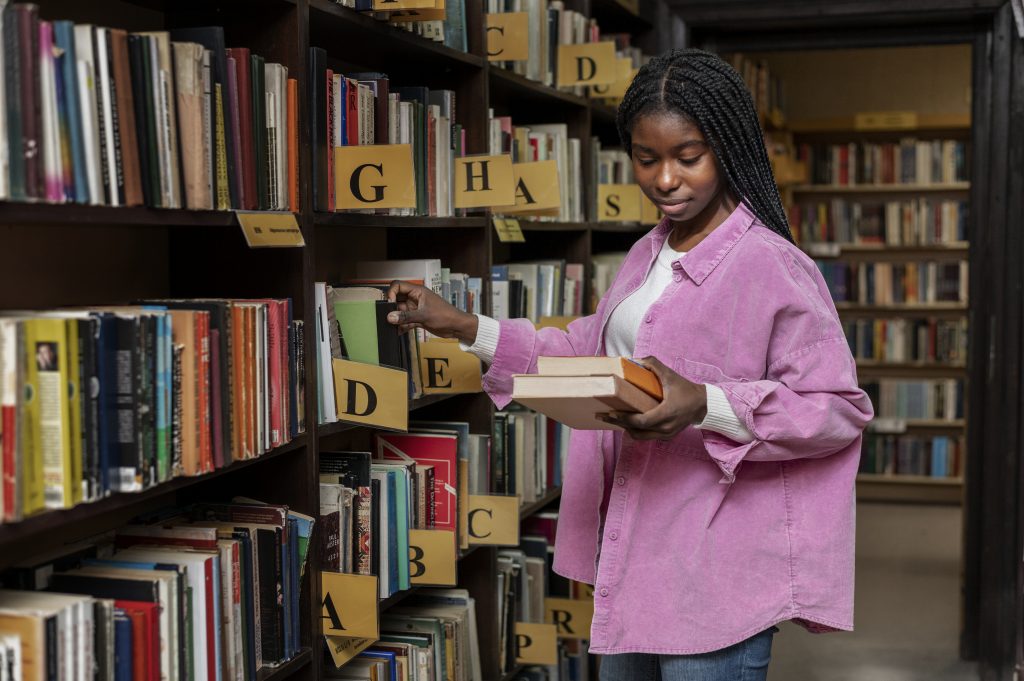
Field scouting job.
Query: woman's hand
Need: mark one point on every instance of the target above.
(419, 307)
(684, 404)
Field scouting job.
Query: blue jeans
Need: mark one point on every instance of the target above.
(745, 661)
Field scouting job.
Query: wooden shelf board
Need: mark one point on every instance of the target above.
(909, 366)
(908, 479)
(513, 673)
(343, 30)
(388, 221)
(622, 227)
(328, 429)
(512, 85)
(881, 188)
(828, 250)
(926, 123)
(529, 509)
(396, 598)
(76, 215)
(127, 502)
(545, 226)
(920, 424)
(287, 669)
(908, 491)
(926, 309)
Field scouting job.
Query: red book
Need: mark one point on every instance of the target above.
(352, 111)
(150, 535)
(10, 444)
(331, 143)
(844, 165)
(220, 457)
(293, 145)
(438, 450)
(203, 386)
(145, 639)
(241, 55)
(277, 343)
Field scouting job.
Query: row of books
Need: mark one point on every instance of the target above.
(766, 88)
(546, 288)
(451, 30)
(934, 398)
(431, 635)
(918, 222)
(166, 119)
(352, 320)
(606, 266)
(544, 142)
(363, 108)
(550, 25)
(119, 399)
(911, 161)
(527, 454)
(908, 340)
(210, 592)
(525, 579)
(410, 481)
(937, 456)
(885, 283)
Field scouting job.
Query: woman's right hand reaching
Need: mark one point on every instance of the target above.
(419, 307)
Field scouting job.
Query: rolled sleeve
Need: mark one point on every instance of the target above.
(488, 331)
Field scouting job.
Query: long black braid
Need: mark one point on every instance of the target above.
(703, 88)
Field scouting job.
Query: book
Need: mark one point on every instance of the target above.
(577, 400)
(623, 367)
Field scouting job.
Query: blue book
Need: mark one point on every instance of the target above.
(64, 35)
(389, 657)
(394, 554)
(122, 646)
(164, 387)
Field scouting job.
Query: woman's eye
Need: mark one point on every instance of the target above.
(689, 161)
(646, 162)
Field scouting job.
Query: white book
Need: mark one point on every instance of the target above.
(105, 102)
(283, 181)
(428, 271)
(50, 134)
(325, 375)
(88, 103)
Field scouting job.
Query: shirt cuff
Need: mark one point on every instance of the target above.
(487, 331)
(721, 418)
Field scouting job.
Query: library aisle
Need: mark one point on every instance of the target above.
(907, 605)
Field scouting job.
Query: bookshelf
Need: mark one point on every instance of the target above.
(64, 255)
(895, 254)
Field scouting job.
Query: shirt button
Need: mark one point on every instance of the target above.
(621, 480)
(604, 592)
(613, 536)
(678, 277)
(650, 318)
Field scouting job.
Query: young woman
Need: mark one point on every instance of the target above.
(729, 507)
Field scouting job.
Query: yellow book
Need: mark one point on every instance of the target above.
(47, 374)
(74, 393)
(223, 195)
(29, 628)
(30, 456)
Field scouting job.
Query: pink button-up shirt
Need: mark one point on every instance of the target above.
(706, 542)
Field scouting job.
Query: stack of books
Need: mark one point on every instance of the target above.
(575, 391)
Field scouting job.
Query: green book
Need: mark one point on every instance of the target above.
(358, 322)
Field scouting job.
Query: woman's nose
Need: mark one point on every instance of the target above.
(667, 179)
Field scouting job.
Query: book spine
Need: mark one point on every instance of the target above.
(31, 113)
(177, 413)
(330, 142)
(293, 145)
(117, 179)
(235, 103)
(50, 150)
(203, 385)
(223, 194)
(126, 474)
(220, 456)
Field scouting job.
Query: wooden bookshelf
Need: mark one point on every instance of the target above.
(60, 255)
(936, 188)
(958, 250)
(909, 489)
(932, 309)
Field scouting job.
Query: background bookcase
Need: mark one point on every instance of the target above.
(64, 255)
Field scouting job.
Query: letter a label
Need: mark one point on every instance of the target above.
(349, 606)
(484, 181)
(537, 189)
(374, 176)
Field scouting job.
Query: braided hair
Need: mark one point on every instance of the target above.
(705, 90)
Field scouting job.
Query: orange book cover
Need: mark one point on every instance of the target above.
(293, 144)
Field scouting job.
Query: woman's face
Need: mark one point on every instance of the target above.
(675, 167)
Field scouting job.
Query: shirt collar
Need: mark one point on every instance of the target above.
(702, 259)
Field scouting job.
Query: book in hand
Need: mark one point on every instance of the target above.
(576, 399)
